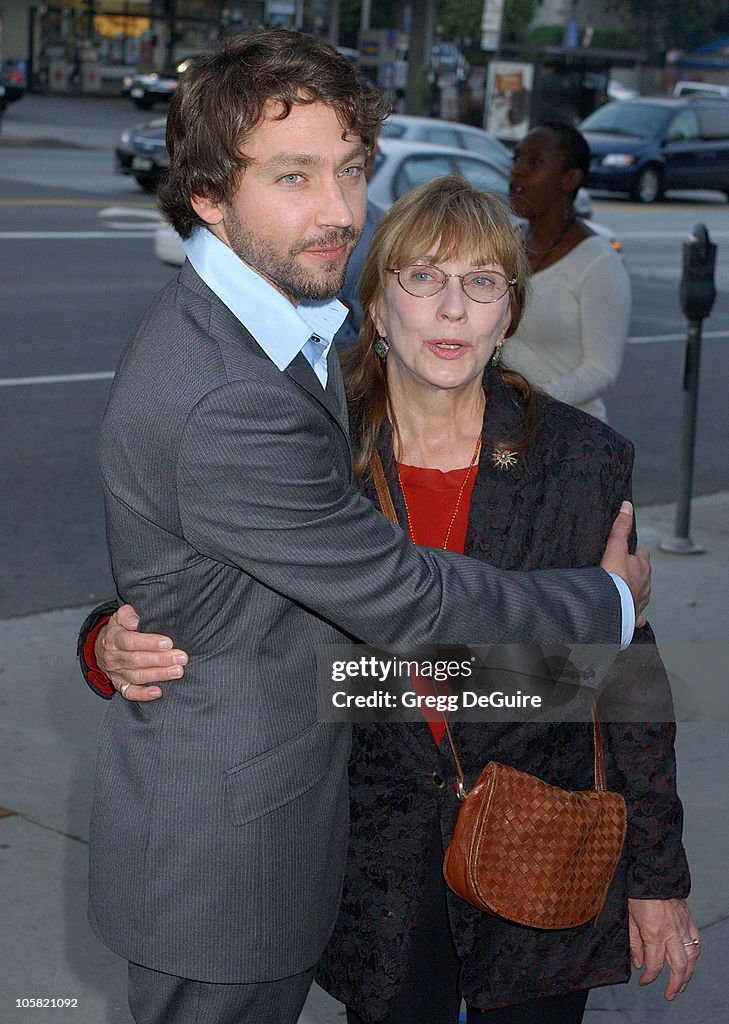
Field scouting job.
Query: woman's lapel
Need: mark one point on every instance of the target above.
(499, 521)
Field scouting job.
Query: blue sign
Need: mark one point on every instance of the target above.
(571, 32)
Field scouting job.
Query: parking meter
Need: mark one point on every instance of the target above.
(697, 294)
(698, 291)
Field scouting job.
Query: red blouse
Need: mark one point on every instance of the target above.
(431, 497)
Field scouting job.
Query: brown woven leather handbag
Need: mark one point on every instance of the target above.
(533, 853)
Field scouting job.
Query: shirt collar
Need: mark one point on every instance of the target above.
(279, 327)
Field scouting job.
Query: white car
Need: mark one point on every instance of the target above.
(407, 127)
(704, 90)
(399, 167)
(618, 91)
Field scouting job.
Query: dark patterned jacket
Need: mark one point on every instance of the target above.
(553, 509)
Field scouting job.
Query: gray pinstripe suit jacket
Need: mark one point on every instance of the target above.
(219, 824)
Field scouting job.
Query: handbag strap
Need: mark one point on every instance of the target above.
(388, 510)
(383, 491)
(599, 756)
(600, 781)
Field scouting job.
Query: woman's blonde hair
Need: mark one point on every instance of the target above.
(445, 219)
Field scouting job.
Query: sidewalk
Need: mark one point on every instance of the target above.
(48, 723)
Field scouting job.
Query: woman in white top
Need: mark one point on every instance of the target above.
(571, 339)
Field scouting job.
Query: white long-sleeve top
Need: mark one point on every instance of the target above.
(571, 339)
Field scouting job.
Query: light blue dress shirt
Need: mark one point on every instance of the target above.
(283, 330)
(628, 608)
(280, 328)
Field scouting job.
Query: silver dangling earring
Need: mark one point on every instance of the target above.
(382, 347)
(496, 357)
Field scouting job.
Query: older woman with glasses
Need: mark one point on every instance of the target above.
(478, 462)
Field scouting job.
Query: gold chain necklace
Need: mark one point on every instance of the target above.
(461, 489)
(554, 244)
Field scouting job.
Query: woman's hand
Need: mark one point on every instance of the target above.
(135, 661)
(663, 931)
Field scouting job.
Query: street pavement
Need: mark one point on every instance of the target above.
(48, 723)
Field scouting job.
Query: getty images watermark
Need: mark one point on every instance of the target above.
(522, 683)
(421, 685)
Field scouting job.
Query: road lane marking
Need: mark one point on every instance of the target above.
(143, 213)
(126, 219)
(649, 339)
(71, 202)
(50, 236)
(687, 234)
(61, 378)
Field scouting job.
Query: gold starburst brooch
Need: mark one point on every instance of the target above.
(502, 458)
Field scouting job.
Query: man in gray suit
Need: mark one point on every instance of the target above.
(219, 825)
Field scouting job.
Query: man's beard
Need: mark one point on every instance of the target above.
(284, 271)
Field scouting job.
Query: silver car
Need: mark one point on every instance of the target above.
(447, 133)
(401, 165)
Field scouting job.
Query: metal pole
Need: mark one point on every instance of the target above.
(364, 20)
(170, 17)
(333, 31)
(681, 544)
(421, 44)
(33, 13)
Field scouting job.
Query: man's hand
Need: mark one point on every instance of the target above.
(134, 661)
(634, 569)
(663, 931)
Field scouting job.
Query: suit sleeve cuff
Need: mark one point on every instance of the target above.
(627, 609)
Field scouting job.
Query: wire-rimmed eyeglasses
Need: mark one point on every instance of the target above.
(479, 285)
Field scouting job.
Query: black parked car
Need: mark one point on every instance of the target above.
(13, 83)
(142, 153)
(646, 146)
(13, 80)
(150, 87)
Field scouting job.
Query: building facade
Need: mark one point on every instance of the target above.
(584, 14)
(88, 45)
